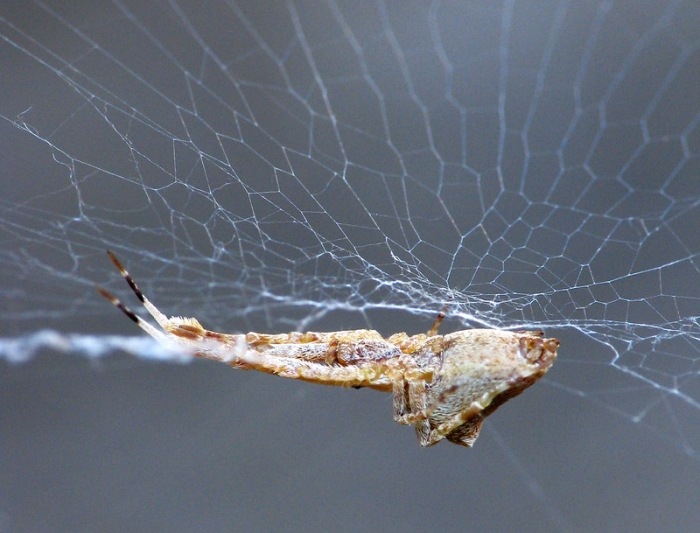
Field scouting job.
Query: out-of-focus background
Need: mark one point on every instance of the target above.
(335, 165)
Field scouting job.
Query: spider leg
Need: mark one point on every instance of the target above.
(364, 375)
(410, 398)
(436, 325)
(466, 424)
(163, 321)
(153, 332)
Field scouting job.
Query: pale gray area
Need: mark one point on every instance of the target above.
(539, 157)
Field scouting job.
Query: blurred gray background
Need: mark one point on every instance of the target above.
(327, 165)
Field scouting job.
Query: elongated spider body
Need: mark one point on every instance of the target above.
(443, 385)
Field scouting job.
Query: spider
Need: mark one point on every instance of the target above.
(443, 385)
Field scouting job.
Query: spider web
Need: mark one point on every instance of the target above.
(324, 166)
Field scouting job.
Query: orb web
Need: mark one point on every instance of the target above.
(327, 166)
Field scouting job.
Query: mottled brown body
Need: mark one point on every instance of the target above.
(443, 385)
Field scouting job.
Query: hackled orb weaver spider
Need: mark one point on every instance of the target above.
(443, 385)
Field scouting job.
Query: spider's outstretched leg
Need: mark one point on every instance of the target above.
(178, 326)
(162, 320)
(153, 332)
